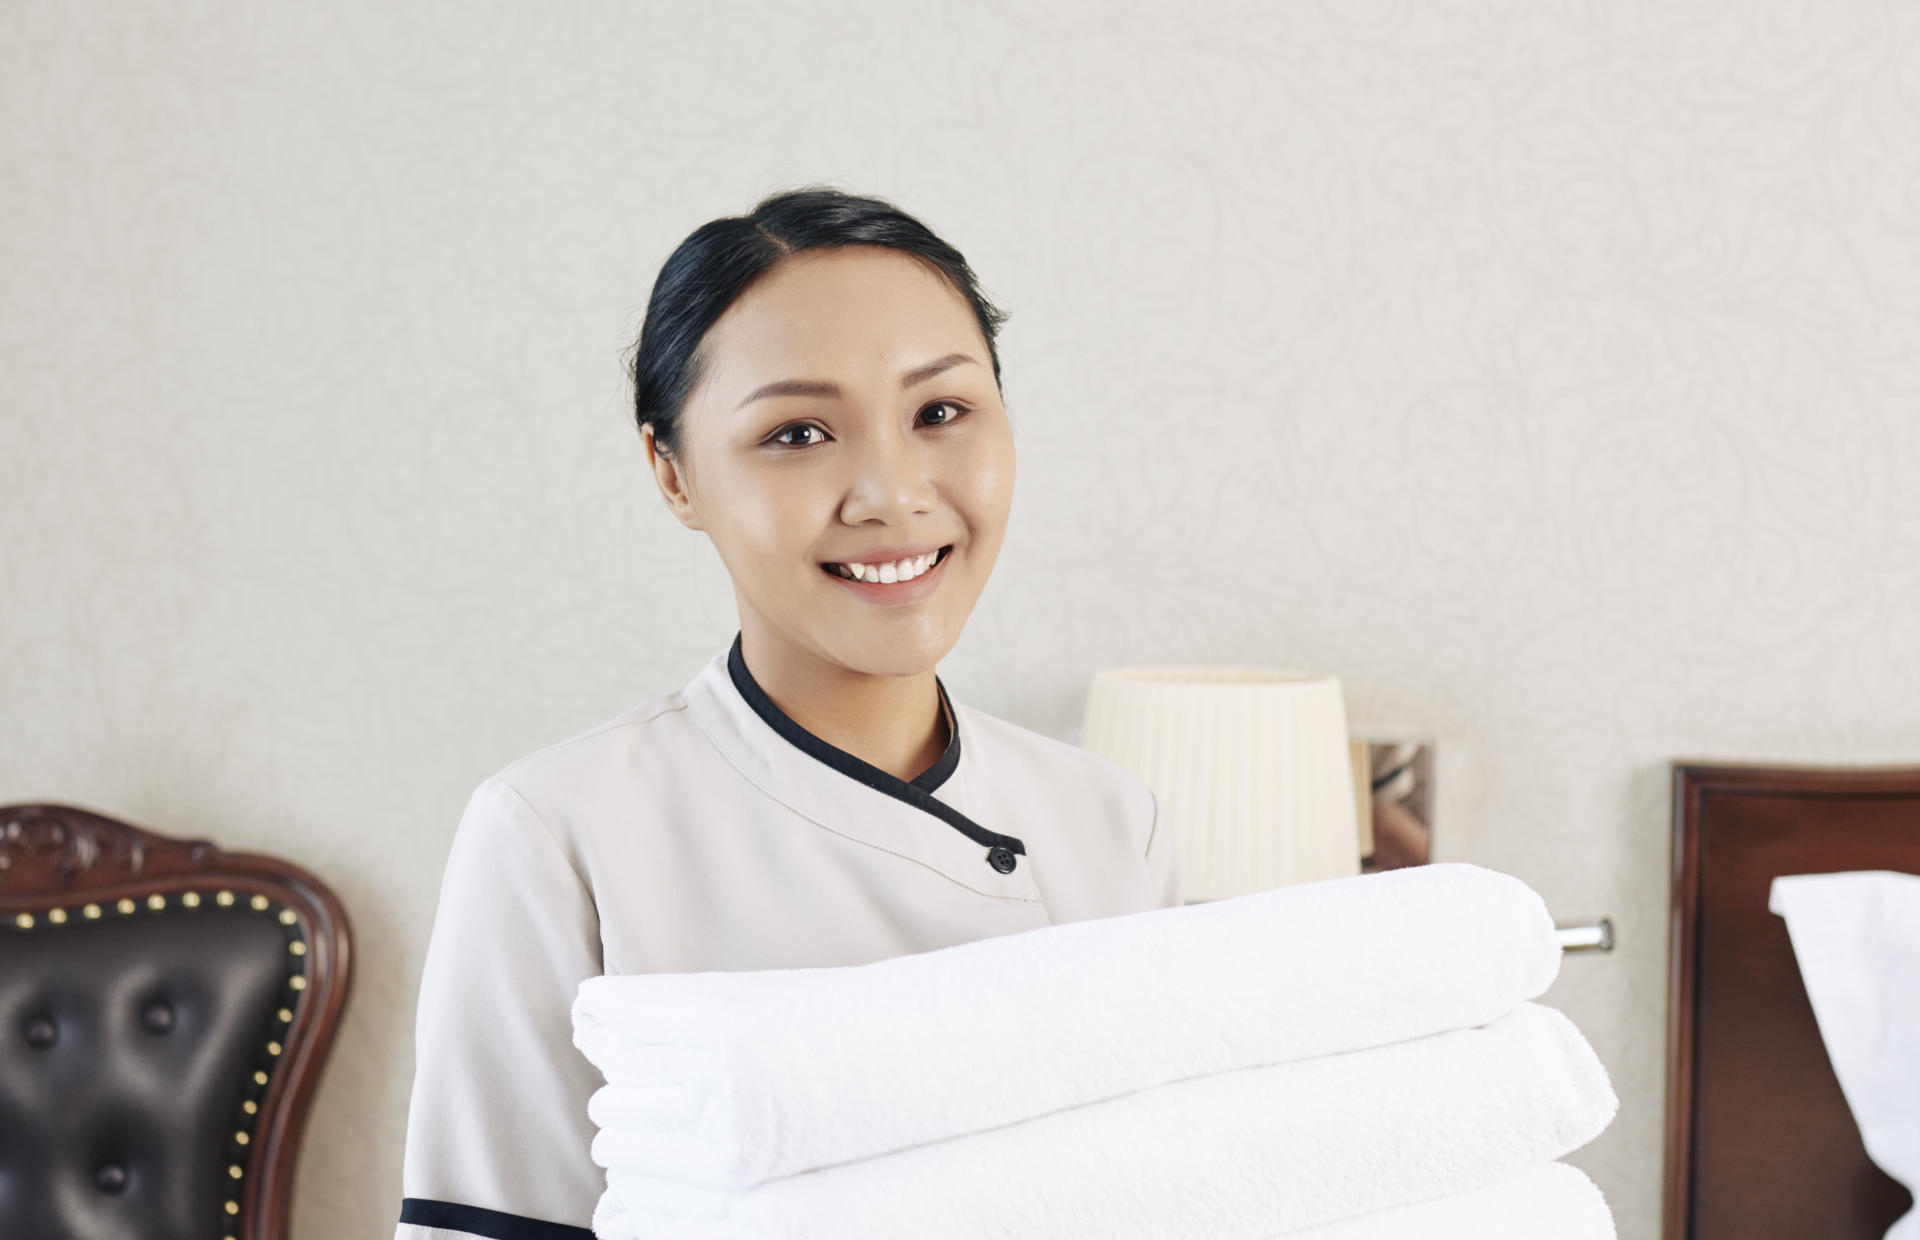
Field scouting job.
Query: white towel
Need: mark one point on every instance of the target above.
(741, 1078)
(1239, 1155)
(1550, 1201)
(1856, 936)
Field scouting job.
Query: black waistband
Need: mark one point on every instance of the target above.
(479, 1221)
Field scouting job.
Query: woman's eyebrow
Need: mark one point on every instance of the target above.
(819, 387)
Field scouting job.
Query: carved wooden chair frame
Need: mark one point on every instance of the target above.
(61, 865)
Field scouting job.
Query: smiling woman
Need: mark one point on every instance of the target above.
(817, 391)
(841, 408)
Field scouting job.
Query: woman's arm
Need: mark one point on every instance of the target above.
(497, 1130)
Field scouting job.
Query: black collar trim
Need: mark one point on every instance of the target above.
(480, 1221)
(917, 792)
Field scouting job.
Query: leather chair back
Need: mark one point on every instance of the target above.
(166, 1009)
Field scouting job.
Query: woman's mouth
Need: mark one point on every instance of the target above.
(897, 572)
(901, 581)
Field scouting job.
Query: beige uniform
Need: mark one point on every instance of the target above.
(706, 830)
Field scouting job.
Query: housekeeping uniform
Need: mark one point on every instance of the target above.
(706, 830)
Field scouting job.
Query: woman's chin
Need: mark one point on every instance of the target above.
(891, 646)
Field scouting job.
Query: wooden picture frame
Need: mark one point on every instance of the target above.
(1760, 1141)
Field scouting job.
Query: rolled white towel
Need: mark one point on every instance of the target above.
(1238, 1155)
(749, 1076)
(1550, 1201)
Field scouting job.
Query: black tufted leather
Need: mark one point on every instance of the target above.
(157, 1016)
(41, 1032)
(127, 1046)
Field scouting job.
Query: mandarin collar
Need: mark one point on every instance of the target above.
(831, 754)
(874, 806)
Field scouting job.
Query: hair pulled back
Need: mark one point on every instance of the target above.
(718, 260)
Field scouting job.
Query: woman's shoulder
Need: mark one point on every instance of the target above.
(602, 765)
(1044, 765)
(603, 736)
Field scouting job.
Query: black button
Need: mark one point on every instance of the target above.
(157, 1016)
(1001, 858)
(41, 1032)
(110, 1177)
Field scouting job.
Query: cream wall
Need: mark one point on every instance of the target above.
(1548, 371)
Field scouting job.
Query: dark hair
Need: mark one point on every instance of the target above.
(717, 262)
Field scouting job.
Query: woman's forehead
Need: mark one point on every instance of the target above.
(856, 311)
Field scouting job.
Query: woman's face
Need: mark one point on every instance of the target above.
(848, 414)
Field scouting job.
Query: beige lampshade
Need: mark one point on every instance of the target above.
(1251, 766)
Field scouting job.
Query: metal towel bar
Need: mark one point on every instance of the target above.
(1596, 937)
(1589, 937)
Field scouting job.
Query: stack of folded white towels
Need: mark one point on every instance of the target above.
(1353, 1059)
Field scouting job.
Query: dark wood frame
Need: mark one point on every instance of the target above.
(1694, 784)
(61, 856)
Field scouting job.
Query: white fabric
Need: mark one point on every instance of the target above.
(688, 835)
(1856, 936)
(729, 1080)
(1548, 1201)
(1237, 1155)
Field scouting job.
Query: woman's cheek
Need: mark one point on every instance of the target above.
(990, 478)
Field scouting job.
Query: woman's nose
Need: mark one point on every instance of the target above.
(892, 479)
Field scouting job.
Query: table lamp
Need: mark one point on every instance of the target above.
(1251, 766)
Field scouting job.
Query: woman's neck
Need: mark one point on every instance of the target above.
(892, 722)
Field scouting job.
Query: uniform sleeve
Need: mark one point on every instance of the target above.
(1163, 860)
(497, 1128)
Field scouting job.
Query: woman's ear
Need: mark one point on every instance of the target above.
(672, 481)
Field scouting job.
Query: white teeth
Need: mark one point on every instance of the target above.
(899, 570)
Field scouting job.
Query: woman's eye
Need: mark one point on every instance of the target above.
(779, 436)
(954, 409)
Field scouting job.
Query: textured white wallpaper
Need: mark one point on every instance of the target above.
(1549, 371)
